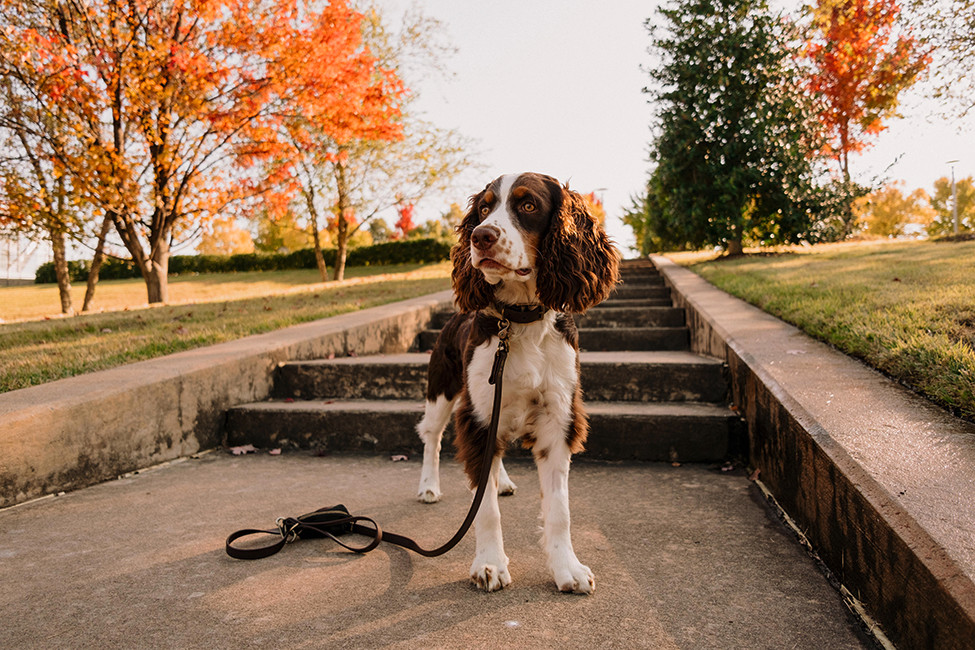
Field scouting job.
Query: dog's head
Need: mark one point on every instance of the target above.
(530, 229)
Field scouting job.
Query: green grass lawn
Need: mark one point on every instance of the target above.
(41, 301)
(905, 308)
(211, 309)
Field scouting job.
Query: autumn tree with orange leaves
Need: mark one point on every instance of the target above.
(862, 59)
(36, 196)
(350, 182)
(162, 114)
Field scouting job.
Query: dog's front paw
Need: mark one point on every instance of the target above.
(429, 489)
(428, 495)
(490, 577)
(574, 577)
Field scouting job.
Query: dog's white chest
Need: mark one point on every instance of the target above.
(540, 376)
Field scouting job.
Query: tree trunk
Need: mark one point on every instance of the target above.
(156, 274)
(153, 267)
(316, 236)
(847, 216)
(343, 225)
(320, 258)
(61, 269)
(341, 249)
(734, 247)
(96, 263)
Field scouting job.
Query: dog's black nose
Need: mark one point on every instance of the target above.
(484, 237)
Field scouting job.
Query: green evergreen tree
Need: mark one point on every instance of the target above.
(735, 140)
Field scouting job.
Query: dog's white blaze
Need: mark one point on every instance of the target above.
(510, 249)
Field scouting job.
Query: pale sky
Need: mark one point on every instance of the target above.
(555, 87)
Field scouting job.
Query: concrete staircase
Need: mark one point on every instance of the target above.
(648, 397)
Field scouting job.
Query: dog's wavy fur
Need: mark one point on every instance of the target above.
(578, 265)
(564, 261)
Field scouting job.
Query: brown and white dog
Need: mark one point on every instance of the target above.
(528, 245)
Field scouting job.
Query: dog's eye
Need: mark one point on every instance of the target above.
(485, 209)
(528, 206)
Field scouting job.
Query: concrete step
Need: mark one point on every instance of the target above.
(633, 338)
(647, 376)
(637, 272)
(637, 264)
(426, 340)
(611, 315)
(623, 316)
(440, 319)
(674, 432)
(605, 339)
(648, 397)
(629, 267)
(608, 376)
(398, 376)
(642, 279)
(640, 291)
(614, 303)
(641, 276)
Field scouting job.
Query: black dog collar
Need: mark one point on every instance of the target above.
(521, 314)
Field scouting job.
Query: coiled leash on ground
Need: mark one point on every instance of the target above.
(336, 521)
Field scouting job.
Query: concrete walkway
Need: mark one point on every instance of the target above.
(684, 557)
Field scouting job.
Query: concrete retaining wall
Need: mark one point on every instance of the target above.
(881, 481)
(83, 430)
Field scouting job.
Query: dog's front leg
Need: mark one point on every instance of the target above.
(489, 571)
(553, 475)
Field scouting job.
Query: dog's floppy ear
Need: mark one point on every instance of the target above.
(471, 290)
(578, 266)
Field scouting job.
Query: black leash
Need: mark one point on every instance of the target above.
(336, 521)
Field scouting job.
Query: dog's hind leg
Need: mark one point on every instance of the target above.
(506, 487)
(435, 418)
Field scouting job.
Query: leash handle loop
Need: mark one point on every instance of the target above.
(324, 522)
(336, 520)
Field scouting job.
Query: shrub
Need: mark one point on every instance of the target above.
(45, 272)
(410, 251)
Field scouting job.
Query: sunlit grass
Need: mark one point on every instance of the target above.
(906, 308)
(215, 309)
(41, 301)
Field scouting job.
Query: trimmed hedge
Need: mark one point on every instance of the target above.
(410, 251)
